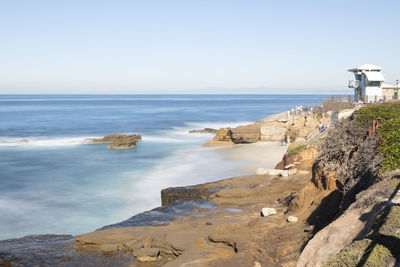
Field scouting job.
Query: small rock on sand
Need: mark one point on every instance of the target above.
(268, 211)
(292, 219)
(285, 173)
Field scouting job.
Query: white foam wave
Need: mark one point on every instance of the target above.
(186, 166)
(176, 135)
(44, 141)
(182, 135)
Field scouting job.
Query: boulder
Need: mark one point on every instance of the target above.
(268, 211)
(118, 141)
(146, 254)
(292, 219)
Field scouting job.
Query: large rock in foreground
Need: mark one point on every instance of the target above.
(119, 141)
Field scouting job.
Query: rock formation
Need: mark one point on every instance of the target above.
(118, 141)
(276, 128)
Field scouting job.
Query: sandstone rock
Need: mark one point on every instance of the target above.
(146, 254)
(287, 167)
(223, 137)
(205, 130)
(303, 172)
(246, 134)
(272, 133)
(284, 173)
(133, 245)
(118, 141)
(292, 219)
(292, 171)
(107, 248)
(268, 211)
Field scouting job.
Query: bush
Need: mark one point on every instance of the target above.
(388, 117)
(296, 150)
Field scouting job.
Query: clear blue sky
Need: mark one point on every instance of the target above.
(201, 46)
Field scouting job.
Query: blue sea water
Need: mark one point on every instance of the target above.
(52, 182)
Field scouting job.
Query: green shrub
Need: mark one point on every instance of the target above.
(296, 149)
(388, 117)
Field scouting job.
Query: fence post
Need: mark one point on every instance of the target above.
(358, 98)
(376, 97)
(384, 98)
(366, 99)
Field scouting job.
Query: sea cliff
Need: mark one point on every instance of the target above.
(338, 206)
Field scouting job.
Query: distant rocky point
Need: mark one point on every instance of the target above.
(205, 130)
(118, 141)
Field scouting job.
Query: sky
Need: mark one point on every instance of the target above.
(193, 46)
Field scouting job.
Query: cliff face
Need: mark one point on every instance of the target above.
(353, 207)
(347, 164)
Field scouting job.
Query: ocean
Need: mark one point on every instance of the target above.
(52, 182)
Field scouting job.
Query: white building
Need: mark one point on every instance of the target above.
(369, 84)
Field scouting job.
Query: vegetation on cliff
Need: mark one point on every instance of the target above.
(296, 150)
(388, 117)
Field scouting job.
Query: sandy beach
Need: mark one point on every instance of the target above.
(258, 155)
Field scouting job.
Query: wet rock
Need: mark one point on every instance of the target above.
(118, 141)
(292, 219)
(268, 211)
(172, 194)
(147, 254)
(205, 130)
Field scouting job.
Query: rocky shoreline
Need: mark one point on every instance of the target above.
(265, 219)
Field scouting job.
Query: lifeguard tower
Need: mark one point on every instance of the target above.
(369, 84)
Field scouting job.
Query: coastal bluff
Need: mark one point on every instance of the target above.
(281, 127)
